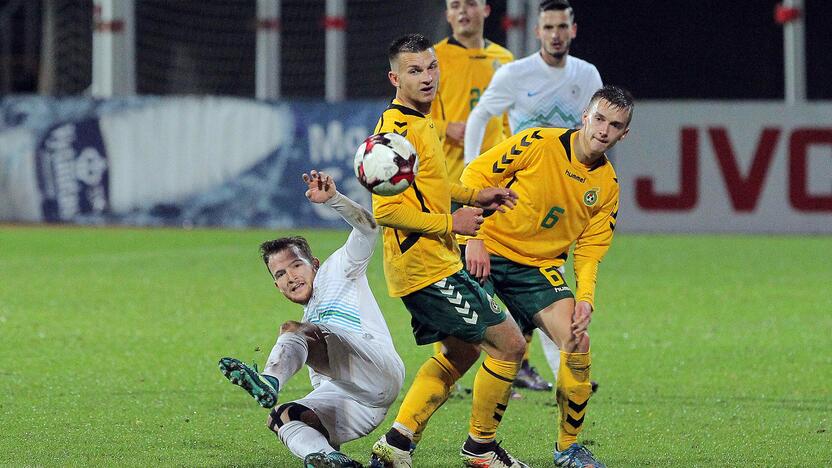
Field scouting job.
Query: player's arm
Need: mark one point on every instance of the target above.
(362, 240)
(391, 212)
(496, 100)
(590, 248)
(394, 213)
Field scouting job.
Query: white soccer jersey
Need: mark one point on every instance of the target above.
(535, 95)
(341, 294)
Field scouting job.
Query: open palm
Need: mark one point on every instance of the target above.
(320, 186)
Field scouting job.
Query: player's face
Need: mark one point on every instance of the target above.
(604, 126)
(556, 30)
(293, 274)
(416, 78)
(466, 17)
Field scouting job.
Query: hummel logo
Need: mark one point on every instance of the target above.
(575, 176)
(462, 306)
(533, 93)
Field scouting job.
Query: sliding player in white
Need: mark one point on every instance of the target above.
(354, 368)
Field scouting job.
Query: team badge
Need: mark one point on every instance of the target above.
(494, 307)
(591, 196)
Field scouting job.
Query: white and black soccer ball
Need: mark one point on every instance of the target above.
(386, 164)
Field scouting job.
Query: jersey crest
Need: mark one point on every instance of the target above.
(591, 196)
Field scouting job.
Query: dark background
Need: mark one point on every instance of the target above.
(658, 49)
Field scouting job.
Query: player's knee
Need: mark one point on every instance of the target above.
(462, 356)
(284, 413)
(516, 347)
(290, 326)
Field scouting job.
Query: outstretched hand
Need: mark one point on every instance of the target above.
(496, 198)
(321, 187)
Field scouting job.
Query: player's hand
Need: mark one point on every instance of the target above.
(466, 220)
(496, 198)
(320, 186)
(477, 261)
(581, 318)
(455, 131)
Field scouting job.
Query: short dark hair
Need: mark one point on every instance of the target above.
(618, 97)
(413, 42)
(271, 247)
(557, 5)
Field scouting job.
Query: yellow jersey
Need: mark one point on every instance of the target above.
(561, 201)
(419, 245)
(463, 76)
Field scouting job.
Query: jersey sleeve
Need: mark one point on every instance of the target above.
(462, 194)
(496, 100)
(501, 162)
(591, 246)
(356, 253)
(393, 212)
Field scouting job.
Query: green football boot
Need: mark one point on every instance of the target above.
(262, 387)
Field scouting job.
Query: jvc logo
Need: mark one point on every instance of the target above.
(744, 190)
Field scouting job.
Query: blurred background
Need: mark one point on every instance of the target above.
(158, 112)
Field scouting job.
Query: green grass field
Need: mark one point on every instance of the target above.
(711, 351)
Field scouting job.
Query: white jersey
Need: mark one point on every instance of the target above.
(341, 294)
(535, 95)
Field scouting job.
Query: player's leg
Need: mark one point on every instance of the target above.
(430, 390)
(300, 429)
(527, 291)
(504, 346)
(457, 311)
(573, 382)
(298, 343)
(314, 427)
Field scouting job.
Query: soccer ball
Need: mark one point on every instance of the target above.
(386, 164)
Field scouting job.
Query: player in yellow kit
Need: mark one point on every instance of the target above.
(467, 62)
(569, 194)
(423, 267)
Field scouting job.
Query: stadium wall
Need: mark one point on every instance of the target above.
(208, 161)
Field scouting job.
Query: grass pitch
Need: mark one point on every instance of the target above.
(710, 351)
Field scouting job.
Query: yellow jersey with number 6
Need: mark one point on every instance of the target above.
(561, 201)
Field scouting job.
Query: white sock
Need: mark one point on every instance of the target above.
(287, 357)
(550, 349)
(302, 440)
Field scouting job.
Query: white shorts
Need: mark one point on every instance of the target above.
(366, 377)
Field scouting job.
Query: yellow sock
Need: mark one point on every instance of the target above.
(429, 390)
(573, 392)
(437, 347)
(492, 388)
